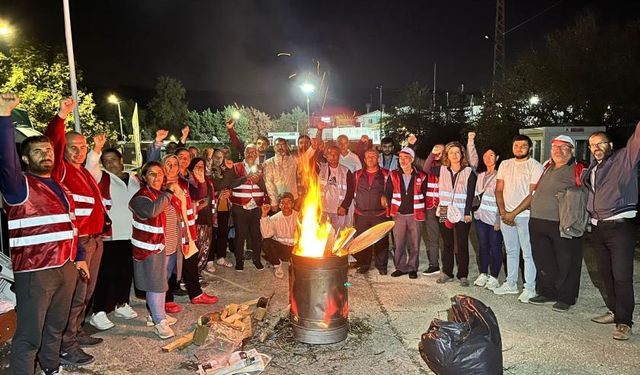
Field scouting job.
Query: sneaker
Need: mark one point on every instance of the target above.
(397, 273)
(506, 288)
(622, 332)
(126, 312)
(76, 357)
(100, 321)
(224, 263)
(362, 269)
(560, 306)
(432, 270)
(492, 283)
(413, 274)
(163, 330)
(259, 266)
(464, 281)
(481, 281)
(170, 320)
(607, 318)
(279, 273)
(172, 307)
(526, 295)
(56, 371)
(540, 300)
(86, 341)
(239, 267)
(204, 299)
(444, 278)
(210, 267)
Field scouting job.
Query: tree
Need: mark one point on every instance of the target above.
(168, 109)
(40, 76)
(259, 123)
(296, 120)
(203, 125)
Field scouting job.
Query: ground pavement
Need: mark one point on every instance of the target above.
(392, 313)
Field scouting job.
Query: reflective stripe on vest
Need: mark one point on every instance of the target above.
(453, 195)
(147, 228)
(41, 238)
(38, 221)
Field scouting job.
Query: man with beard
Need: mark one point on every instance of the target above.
(279, 233)
(280, 174)
(612, 180)
(45, 275)
(347, 157)
(370, 208)
(515, 181)
(70, 154)
(261, 145)
(337, 187)
(117, 187)
(248, 194)
(388, 159)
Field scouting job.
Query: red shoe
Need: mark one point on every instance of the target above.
(204, 299)
(172, 308)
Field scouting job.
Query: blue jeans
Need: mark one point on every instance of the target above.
(516, 238)
(155, 300)
(490, 242)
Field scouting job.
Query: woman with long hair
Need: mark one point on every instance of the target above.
(456, 186)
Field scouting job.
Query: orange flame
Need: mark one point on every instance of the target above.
(312, 234)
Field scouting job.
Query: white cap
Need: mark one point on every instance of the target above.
(409, 151)
(565, 139)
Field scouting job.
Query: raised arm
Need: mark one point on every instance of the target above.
(55, 133)
(146, 208)
(92, 164)
(632, 151)
(12, 182)
(153, 153)
(233, 136)
(472, 153)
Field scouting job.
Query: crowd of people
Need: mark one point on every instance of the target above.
(83, 230)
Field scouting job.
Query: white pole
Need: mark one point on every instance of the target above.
(72, 65)
(121, 132)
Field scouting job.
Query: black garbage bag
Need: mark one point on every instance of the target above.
(469, 343)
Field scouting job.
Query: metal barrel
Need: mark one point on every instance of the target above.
(319, 299)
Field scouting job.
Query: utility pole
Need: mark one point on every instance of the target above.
(498, 44)
(433, 99)
(381, 109)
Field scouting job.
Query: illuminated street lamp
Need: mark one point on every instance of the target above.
(114, 100)
(6, 29)
(308, 89)
(534, 100)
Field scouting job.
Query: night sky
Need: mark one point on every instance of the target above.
(226, 51)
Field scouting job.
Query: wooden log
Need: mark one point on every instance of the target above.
(232, 318)
(232, 308)
(180, 343)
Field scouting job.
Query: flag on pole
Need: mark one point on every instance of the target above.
(136, 136)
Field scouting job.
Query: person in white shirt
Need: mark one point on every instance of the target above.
(116, 268)
(279, 233)
(348, 158)
(515, 181)
(280, 173)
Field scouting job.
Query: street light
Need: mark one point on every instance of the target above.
(308, 89)
(534, 100)
(114, 100)
(6, 29)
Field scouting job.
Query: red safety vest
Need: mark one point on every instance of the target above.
(242, 194)
(86, 195)
(433, 199)
(191, 212)
(418, 197)
(42, 232)
(105, 190)
(148, 234)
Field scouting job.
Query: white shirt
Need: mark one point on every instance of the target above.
(279, 227)
(351, 161)
(517, 177)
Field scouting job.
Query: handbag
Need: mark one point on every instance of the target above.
(477, 199)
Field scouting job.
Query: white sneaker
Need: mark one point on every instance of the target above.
(224, 262)
(526, 295)
(506, 288)
(126, 312)
(163, 330)
(492, 283)
(279, 273)
(210, 267)
(481, 280)
(100, 321)
(170, 320)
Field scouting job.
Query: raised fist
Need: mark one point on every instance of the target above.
(437, 149)
(99, 141)
(230, 123)
(471, 136)
(66, 106)
(185, 131)
(161, 134)
(8, 101)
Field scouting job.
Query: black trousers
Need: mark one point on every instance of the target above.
(614, 244)
(221, 237)
(449, 251)
(43, 305)
(247, 224)
(116, 274)
(275, 252)
(190, 276)
(380, 248)
(558, 261)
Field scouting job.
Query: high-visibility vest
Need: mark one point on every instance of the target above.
(88, 200)
(148, 234)
(105, 191)
(451, 195)
(42, 232)
(433, 198)
(191, 212)
(418, 196)
(241, 195)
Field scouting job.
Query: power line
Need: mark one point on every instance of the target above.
(533, 17)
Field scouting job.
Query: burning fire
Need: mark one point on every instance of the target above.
(312, 234)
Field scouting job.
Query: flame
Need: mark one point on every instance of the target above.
(312, 234)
